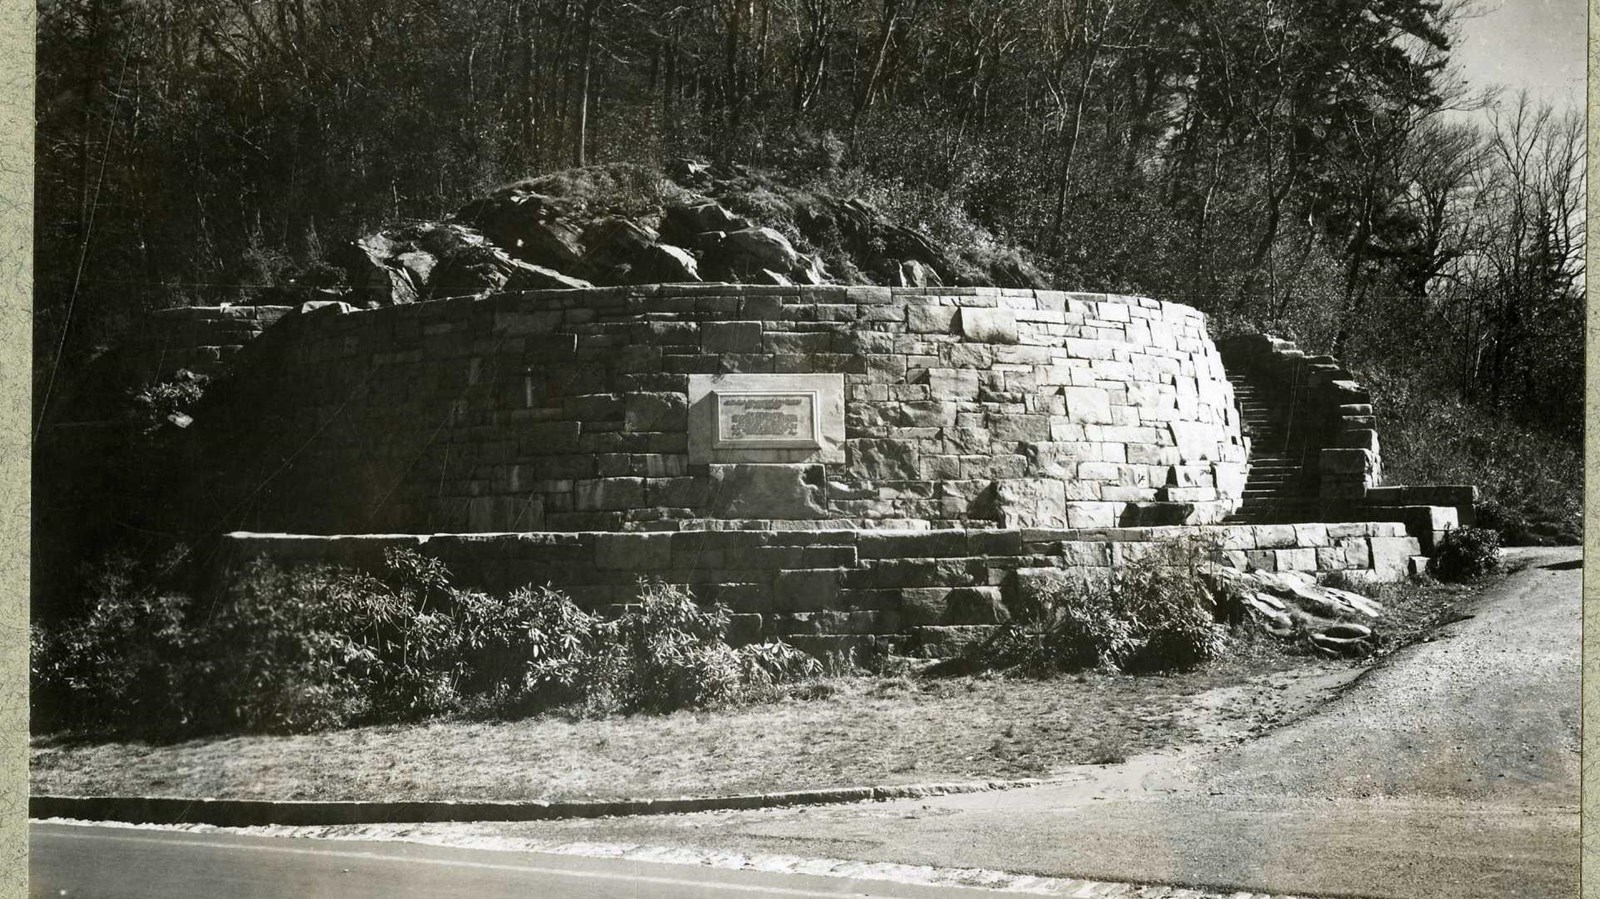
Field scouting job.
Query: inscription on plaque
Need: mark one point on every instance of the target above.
(766, 419)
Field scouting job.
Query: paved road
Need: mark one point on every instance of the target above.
(1451, 770)
(75, 861)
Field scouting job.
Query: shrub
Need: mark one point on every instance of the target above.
(1532, 480)
(1156, 612)
(523, 653)
(307, 648)
(160, 405)
(121, 666)
(666, 652)
(1466, 554)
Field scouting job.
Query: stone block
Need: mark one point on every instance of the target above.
(1347, 461)
(967, 441)
(1295, 559)
(1261, 559)
(1092, 514)
(1087, 405)
(1086, 553)
(655, 412)
(988, 325)
(807, 591)
(1031, 503)
(975, 605)
(882, 459)
(641, 552)
(951, 384)
(1020, 428)
(731, 337)
(608, 494)
(1360, 438)
(934, 413)
(1312, 535)
(931, 319)
(947, 641)
(1196, 442)
(902, 545)
(744, 628)
(922, 606)
(1391, 557)
(678, 493)
(772, 491)
(802, 343)
(1140, 513)
(1032, 587)
(1275, 536)
(1230, 478)
(1357, 551)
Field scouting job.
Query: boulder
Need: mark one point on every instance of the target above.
(471, 270)
(749, 250)
(526, 225)
(375, 280)
(683, 221)
(665, 264)
(914, 273)
(809, 271)
(527, 276)
(616, 248)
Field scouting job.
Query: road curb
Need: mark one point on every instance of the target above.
(255, 812)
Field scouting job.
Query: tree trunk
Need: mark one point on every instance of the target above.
(581, 141)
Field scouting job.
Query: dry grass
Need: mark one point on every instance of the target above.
(849, 732)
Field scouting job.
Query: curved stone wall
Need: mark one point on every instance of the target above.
(599, 410)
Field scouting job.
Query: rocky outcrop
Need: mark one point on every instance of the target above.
(1292, 605)
(434, 260)
(575, 229)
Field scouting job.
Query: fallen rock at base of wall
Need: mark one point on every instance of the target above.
(1291, 604)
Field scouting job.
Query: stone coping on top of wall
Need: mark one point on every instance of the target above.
(571, 410)
(825, 589)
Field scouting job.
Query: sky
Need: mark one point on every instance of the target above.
(1538, 45)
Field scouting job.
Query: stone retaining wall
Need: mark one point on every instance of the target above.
(834, 589)
(200, 338)
(570, 411)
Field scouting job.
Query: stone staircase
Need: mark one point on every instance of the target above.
(1281, 488)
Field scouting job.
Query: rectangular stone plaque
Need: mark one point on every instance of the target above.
(767, 419)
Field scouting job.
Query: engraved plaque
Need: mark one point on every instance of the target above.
(766, 418)
(756, 419)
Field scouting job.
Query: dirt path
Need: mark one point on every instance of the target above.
(1449, 770)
